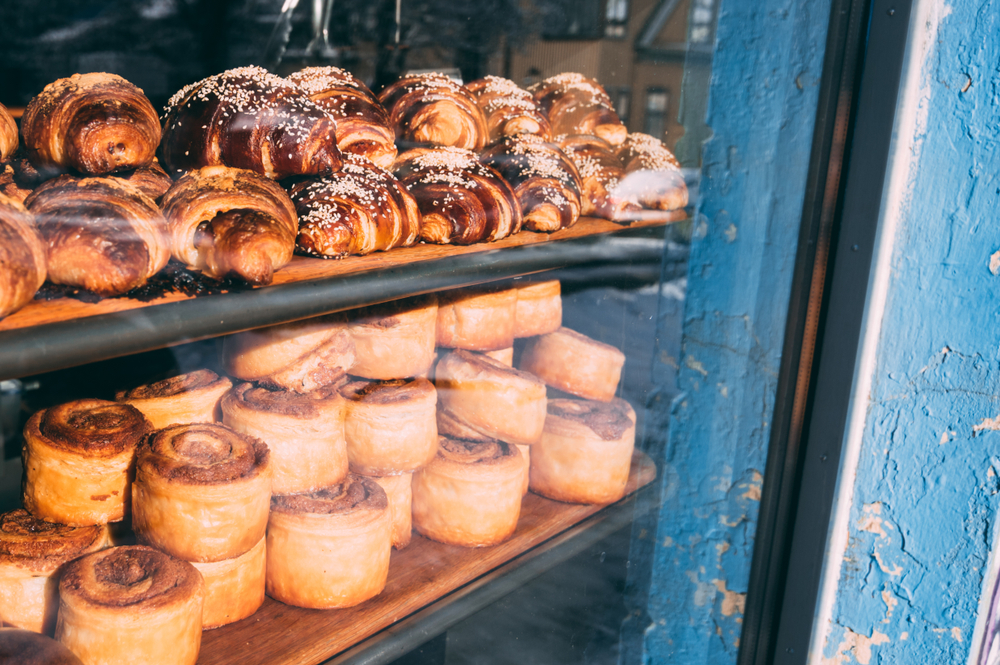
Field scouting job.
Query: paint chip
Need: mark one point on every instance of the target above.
(731, 233)
(956, 634)
(870, 520)
(992, 424)
(860, 646)
(995, 263)
(695, 365)
(732, 602)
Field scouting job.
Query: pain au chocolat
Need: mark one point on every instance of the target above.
(189, 398)
(574, 363)
(234, 588)
(575, 104)
(539, 308)
(432, 109)
(477, 319)
(24, 647)
(22, 256)
(510, 110)
(394, 340)
(79, 459)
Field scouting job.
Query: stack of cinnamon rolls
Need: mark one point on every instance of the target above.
(329, 442)
(246, 169)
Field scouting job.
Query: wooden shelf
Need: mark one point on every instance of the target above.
(419, 575)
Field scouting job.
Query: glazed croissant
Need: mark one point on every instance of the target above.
(600, 171)
(362, 124)
(22, 256)
(362, 209)
(249, 119)
(101, 234)
(576, 104)
(152, 180)
(94, 123)
(653, 177)
(431, 109)
(545, 180)
(225, 221)
(509, 108)
(462, 200)
(8, 134)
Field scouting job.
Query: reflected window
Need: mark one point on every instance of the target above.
(615, 18)
(621, 97)
(580, 19)
(702, 13)
(657, 103)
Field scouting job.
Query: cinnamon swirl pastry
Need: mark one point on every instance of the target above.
(22, 257)
(470, 495)
(24, 647)
(101, 234)
(509, 109)
(575, 104)
(151, 180)
(79, 459)
(601, 173)
(360, 210)
(249, 119)
(304, 432)
(478, 318)
(31, 552)
(395, 339)
(462, 200)
(188, 398)
(362, 124)
(585, 452)
(8, 134)
(329, 548)
(226, 221)
(131, 605)
(544, 179)
(300, 356)
(391, 426)
(94, 123)
(575, 364)
(653, 177)
(539, 308)
(397, 489)
(201, 492)
(431, 109)
(234, 588)
(492, 398)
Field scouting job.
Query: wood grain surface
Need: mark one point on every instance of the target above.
(418, 575)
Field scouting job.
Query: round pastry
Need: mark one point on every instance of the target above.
(510, 110)
(397, 488)
(22, 256)
(303, 431)
(188, 398)
(391, 426)
(478, 319)
(470, 495)
(8, 134)
(492, 398)
(575, 104)
(78, 461)
(234, 588)
(394, 340)
(505, 356)
(453, 428)
(31, 552)
(131, 605)
(539, 309)
(329, 548)
(601, 173)
(653, 176)
(575, 364)
(201, 492)
(526, 454)
(300, 356)
(23, 647)
(432, 109)
(585, 452)
(94, 123)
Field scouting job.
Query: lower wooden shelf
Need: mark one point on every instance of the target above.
(419, 575)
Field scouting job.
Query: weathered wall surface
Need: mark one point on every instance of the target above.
(926, 491)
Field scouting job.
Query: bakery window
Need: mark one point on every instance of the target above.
(657, 106)
(616, 18)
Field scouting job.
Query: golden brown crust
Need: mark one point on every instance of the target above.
(397, 489)
(574, 363)
(26, 647)
(11, 185)
(395, 339)
(8, 134)
(539, 308)
(431, 109)
(91, 427)
(607, 420)
(152, 180)
(354, 493)
(94, 123)
(653, 177)
(601, 173)
(249, 119)
(202, 454)
(22, 256)
(575, 104)
(234, 588)
(188, 398)
(509, 109)
(478, 319)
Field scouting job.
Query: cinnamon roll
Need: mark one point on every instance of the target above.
(329, 548)
(394, 340)
(31, 552)
(22, 257)
(585, 451)
(601, 173)
(492, 398)
(249, 119)
(470, 495)
(478, 319)
(462, 200)
(397, 489)
(391, 426)
(8, 134)
(362, 124)
(79, 460)
(539, 308)
(201, 492)
(28, 648)
(653, 177)
(225, 221)
(575, 104)
(131, 605)
(101, 234)
(188, 398)
(94, 123)
(575, 364)
(234, 588)
(431, 109)
(360, 210)
(510, 110)
(303, 431)
(300, 356)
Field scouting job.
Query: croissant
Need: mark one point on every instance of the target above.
(94, 123)
(249, 119)
(152, 180)
(431, 109)
(576, 104)
(101, 234)
(544, 179)
(653, 177)
(225, 221)
(360, 210)
(22, 256)
(509, 109)
(8, 134)
(362, 124)
(462, 200)
(600, 171)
